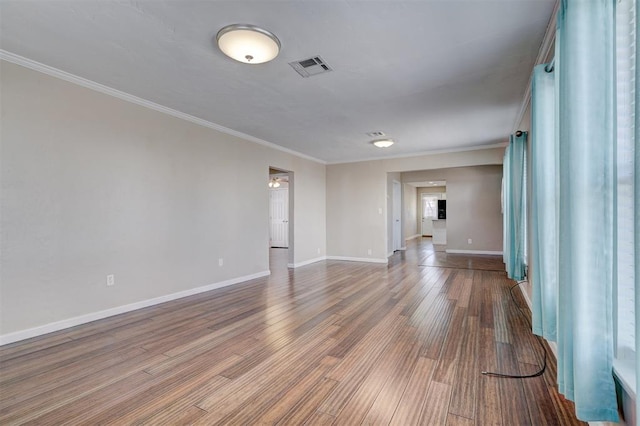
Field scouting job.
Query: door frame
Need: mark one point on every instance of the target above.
(396, 230)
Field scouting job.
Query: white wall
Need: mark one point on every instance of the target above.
(357, 210)
(309, 216)
(356, 192)
(392, 177)
(473, 205)
(93, 185)
(410, 214)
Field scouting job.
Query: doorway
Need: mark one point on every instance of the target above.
(279, 217)
(280, 186)
(429, 213)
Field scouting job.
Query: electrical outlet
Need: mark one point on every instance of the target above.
(111, 280)
(369, 252)
(220, 261)
(379, 210)
(469, 241)
(318, 250)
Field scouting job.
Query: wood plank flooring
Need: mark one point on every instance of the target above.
(330, 343)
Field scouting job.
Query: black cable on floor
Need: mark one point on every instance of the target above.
(544, 350)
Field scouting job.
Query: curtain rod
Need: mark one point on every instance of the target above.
(550, 67)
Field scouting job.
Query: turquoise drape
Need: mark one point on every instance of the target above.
(637, 204)
(586, 177)
(514, 206)
(543, 265)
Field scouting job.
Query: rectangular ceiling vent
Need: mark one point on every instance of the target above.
(375, 134)
(310, 67)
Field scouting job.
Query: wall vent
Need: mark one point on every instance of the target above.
(310, 67)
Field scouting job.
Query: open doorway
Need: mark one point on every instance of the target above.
(429, 213)
(280, 218)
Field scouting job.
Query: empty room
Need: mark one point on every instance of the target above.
(319, 212)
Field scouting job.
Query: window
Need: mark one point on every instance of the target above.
(430, 206)
(625, 81)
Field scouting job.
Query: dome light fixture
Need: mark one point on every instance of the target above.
(248, 44)
(383, 143)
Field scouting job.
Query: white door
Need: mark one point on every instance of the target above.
(429, 212)
(397, 215)
(279, 213)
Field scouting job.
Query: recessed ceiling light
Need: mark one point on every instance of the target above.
(248, 43)
(383, 143)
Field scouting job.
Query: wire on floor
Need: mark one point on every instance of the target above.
(544, 350)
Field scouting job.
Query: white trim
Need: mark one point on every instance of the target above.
(358, 259)
(63, 75)
(306, 262)
(493, 253)
(412, 237)
(624, 370)
(525, 295)
(548, 43)
(83, 319)
(421, 153)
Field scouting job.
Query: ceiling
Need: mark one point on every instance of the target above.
(433, 75)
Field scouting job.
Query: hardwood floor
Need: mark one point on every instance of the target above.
(330, 343)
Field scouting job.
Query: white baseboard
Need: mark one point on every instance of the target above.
(412, 237)
(306, 262)
(527, 299)
(525, 294)
(494, 253)
(83, 319)
(358, 259)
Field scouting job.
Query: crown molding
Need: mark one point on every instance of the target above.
(423, 153)
(545, 53)
(80, 81)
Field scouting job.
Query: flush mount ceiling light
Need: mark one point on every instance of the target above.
(383, 143)
(248, 43)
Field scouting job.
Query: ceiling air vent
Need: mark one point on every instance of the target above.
(376, 134)
(310, 67)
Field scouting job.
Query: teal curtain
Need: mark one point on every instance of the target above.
(506, 201)
(585, 52)
(543, 266)
(637, 204)
(514, 206)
